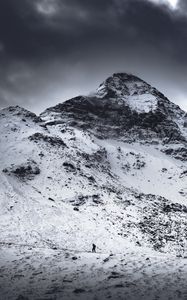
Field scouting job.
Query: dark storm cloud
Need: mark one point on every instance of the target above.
(28, 32)
(45, 42)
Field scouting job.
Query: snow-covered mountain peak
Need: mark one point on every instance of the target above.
(124, 106)
(14, 110)
(19, 113)
(119, 84)
(138, 94)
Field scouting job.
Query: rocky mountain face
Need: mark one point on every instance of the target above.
(124, 107)
(109, 168)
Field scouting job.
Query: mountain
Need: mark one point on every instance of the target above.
(126, 107)
(108, 168)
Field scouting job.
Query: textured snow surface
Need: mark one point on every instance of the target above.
(62, 188)
(142, 103)
(41, 273)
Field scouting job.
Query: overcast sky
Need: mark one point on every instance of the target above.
(52, 50)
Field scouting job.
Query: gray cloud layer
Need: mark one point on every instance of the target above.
(51, 50)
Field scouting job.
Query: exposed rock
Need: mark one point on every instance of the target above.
(25, 171)
(51, 140)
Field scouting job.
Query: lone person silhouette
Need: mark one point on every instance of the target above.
(93, 248)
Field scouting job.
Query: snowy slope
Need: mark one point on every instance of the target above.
(109, 168)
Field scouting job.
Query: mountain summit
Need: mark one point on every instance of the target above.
(123, 86)
(124, 107)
